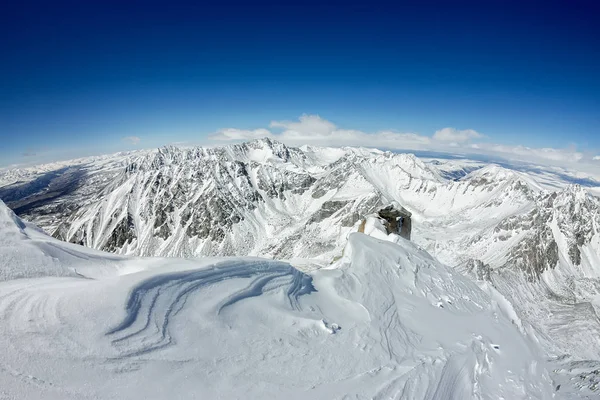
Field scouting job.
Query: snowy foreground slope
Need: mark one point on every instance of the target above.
(385, 321)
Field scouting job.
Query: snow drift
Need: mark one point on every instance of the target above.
(385, 321)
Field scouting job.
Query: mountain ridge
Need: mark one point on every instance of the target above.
(533, 248)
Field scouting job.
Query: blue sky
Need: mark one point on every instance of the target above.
(76, 78)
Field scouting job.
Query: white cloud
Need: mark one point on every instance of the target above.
(344, 137)
(308, 125)
(134, 140)
(240, 134)
(456, 135)
(532, 154)
(314, 130)
(597, 158)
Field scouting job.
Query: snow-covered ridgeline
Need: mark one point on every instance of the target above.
(533, 249)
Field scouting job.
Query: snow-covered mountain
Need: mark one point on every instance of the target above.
(257, 198)
(546, 261)
(385, 321)
(533, 250)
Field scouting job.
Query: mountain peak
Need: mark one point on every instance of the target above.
(492, 172)
(260, 150)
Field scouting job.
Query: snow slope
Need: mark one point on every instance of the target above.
(385, 321)
(27, 252)
(528, 238)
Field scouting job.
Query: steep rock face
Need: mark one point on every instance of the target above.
(570, 217)
(194, 193)
(327, 210)
(122, 234)
(577, 215)
(336, 176)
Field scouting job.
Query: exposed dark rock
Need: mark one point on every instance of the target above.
(327, 210)
(575, 254)
(331, 181)
(61, 232)
(350, 219)
(573, 211)
(78, 237)
(123, 233)
(275, 182)
(211, 218)
(397, 220)
(536, 253)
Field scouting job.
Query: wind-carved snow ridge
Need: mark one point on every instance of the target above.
(385, 321)
(153, 302)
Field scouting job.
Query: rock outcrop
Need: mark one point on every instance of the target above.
(397, 219)
(393, 218)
